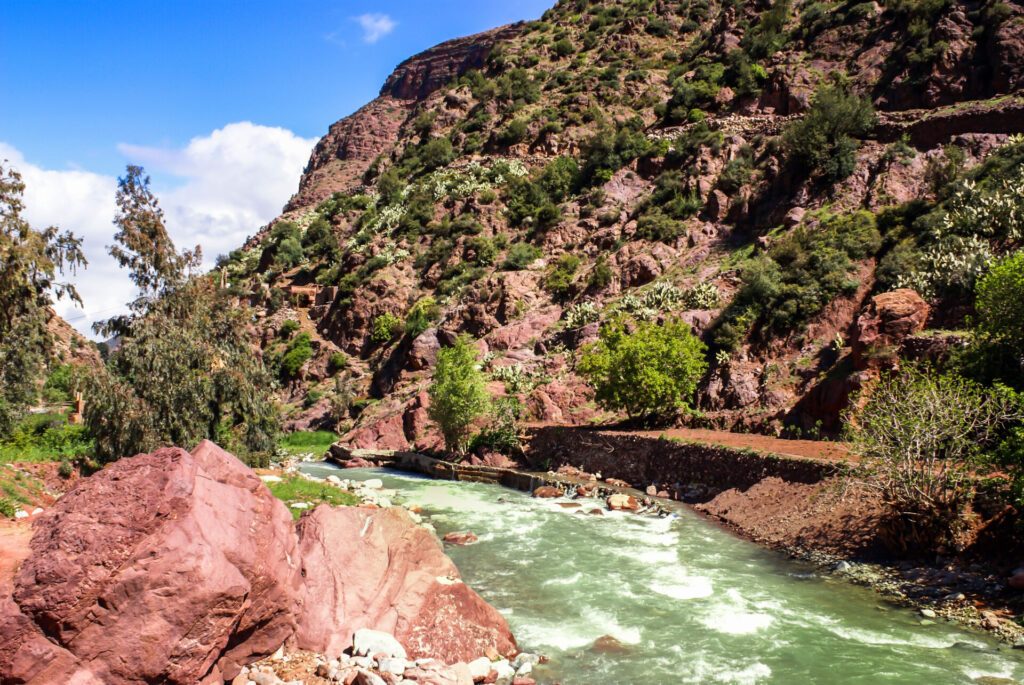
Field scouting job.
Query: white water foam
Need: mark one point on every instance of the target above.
(732, 615)
(684, 587)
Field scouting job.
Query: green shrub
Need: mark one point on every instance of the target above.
(298, 352)
(563, 48)
(601, 274)
(520, 256)
(801, 273)
(65, 470)
(57, 387)
(337, 362)
(671, 201)
(559, 280)
(515, 132)
(824, 140)
(920, 436)
(458, 393)
(649, 373)
(8, 507)
(420, 316)
(385, 328)
(484, 250)
(502, 431)
(610, 150)
(1000, 302)
(287, 328)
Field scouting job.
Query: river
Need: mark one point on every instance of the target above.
(684, 600)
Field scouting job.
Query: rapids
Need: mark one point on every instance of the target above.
(685, 601)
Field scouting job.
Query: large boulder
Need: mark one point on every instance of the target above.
(374, 568)
(889, 319)
(168, 567)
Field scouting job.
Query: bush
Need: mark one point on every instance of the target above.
(521, 256)
(502, 431)
(801, 273)
(600, 275)
(57, 387)
(663, 214)
(337, 362)
(420, 316)
(608, 151)
(287, 328)
(514, 133)
(559, 280)
(563, 48)
(458, 393)
(921, 435)
(298, 352)
(8, 507)
(823, 141)
(1000, 302)
(385, 328)
(649, 373)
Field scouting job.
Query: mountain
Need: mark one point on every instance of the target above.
(773, 174)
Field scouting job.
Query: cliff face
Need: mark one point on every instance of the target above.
(667, 121)
(341, 157)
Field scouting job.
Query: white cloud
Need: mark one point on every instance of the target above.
(375, 26)
(234, 180)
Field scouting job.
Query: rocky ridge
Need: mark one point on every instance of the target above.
(959, 87)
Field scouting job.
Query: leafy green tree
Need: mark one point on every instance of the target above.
(920, 436)
(824, 140)
(1000, 302)
(187, 367)
(650, 373)
(30, 261)
(458, 393)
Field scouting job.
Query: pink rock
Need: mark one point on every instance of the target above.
(374, 568)
(547, 491)
(460, 538)
(169, 567)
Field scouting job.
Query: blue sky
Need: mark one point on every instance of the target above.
(80, 77)
(220, 100)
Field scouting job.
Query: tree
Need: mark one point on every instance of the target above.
(144, 246)
(458, 393)
(824, 140)
(650, 373)
(1000, 302)
(187, 367)
(30, 261)
(920, 436)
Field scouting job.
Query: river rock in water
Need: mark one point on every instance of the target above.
(460, 538)
(547, 491)
(622, 502)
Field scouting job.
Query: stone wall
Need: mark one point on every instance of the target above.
(642, 461)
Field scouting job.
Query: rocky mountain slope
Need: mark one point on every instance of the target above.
(638, 157)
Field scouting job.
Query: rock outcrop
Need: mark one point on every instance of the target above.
(890, 318)
(182, 568)
(373, 568)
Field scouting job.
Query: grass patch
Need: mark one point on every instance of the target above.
(302, 442)
(295, 489)
(18, 488)
(45, 437)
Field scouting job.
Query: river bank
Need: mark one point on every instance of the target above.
(621, 597)
(789, 502)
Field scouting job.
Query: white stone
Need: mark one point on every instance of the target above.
(21, 514)
(368, 642)
(927, 613)
(333, 480)
(268, 478)
(393, 666)
(299, 505)
(524, 658)
(505, 672)
(479, 668)
(368, 678)
(374, 484)
(37, 511)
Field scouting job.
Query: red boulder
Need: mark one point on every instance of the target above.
(374, 568)
(167, 567)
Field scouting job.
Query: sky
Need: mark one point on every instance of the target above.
(221, 101)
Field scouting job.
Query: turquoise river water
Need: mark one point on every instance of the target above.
(688, 601)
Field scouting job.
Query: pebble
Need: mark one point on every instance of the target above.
(373, 484)
(928, 613)
(480, 668)
(843, 566)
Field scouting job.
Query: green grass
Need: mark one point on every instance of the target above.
(45, 437)
(302, 442)
(17, 488)
(295, 489)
